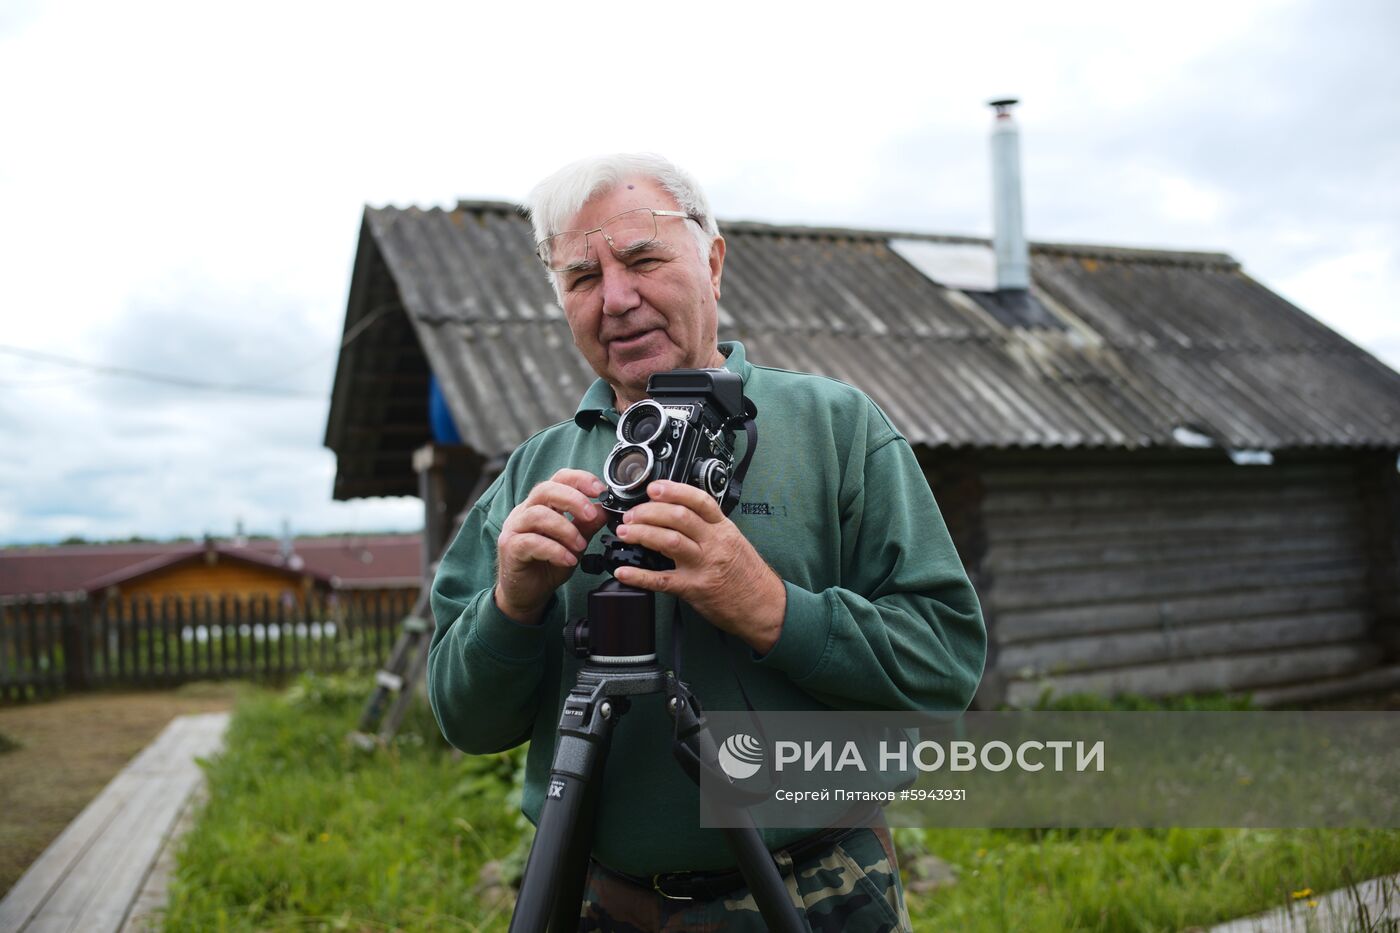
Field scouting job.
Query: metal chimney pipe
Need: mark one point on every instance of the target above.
(1009, 235)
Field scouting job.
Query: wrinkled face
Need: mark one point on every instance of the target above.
(649, 310)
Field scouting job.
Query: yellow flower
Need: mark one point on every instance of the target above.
(981, 853)
(1299, 895)
(325, 837)
(1312, 903)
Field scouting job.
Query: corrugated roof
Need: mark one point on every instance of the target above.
(1143, 341)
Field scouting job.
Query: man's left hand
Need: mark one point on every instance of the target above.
(718, 572)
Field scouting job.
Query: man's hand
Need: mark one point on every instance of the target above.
(539, 546)
(717, 570)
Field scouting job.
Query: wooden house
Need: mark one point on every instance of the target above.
(1162, 477)
(237, 568)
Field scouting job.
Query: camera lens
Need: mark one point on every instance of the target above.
(627, 468)
(642, 423)
(630, 467)
(647, 426)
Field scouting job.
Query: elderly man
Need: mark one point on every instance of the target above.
(834, 586)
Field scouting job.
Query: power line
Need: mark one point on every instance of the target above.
(369, 319)
(49, 382)
(372, 317)
(127, 372)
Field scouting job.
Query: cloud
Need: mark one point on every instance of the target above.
(186, 188)
(131, 457)
(200, 475)
(1268, 144)
(16, 15)
(261, 341)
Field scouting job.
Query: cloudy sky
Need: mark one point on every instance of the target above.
(181, 185)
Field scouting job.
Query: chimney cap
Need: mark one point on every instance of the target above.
(1003, 104)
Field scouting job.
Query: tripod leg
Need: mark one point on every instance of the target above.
(754, 860)
(761, 873)
(573, 872)
(551, 891)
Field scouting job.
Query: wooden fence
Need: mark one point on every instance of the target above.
(52, 644)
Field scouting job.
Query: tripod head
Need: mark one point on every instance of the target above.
(617, 554)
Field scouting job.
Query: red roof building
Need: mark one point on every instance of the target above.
(239, 567)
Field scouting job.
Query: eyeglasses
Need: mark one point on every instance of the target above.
(627, 232)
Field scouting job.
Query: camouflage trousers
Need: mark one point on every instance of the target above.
(852, 887)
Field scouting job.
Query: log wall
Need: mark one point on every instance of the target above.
(1161, 576)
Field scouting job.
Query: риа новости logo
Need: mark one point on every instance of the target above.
(741, 756)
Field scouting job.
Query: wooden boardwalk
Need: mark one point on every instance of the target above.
(91, 878)
(1370, 905)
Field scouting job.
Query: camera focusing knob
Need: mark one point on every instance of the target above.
(711, 476)
(576, 637)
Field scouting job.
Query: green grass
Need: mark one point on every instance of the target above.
(8, 744)
(1114, 880)
(303, 832)
(1132, 703)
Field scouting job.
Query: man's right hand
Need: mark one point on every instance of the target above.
(539, 546)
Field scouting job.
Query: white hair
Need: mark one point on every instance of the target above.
(555, 201)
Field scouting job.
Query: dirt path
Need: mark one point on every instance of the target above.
(68, 750)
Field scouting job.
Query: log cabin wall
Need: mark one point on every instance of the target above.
(1166, 574)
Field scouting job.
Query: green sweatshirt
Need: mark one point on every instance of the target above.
(880, 614)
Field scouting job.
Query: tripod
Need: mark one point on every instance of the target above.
(618, 639)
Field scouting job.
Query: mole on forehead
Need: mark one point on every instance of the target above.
(630, 187)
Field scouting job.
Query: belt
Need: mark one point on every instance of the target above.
(706, 885)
